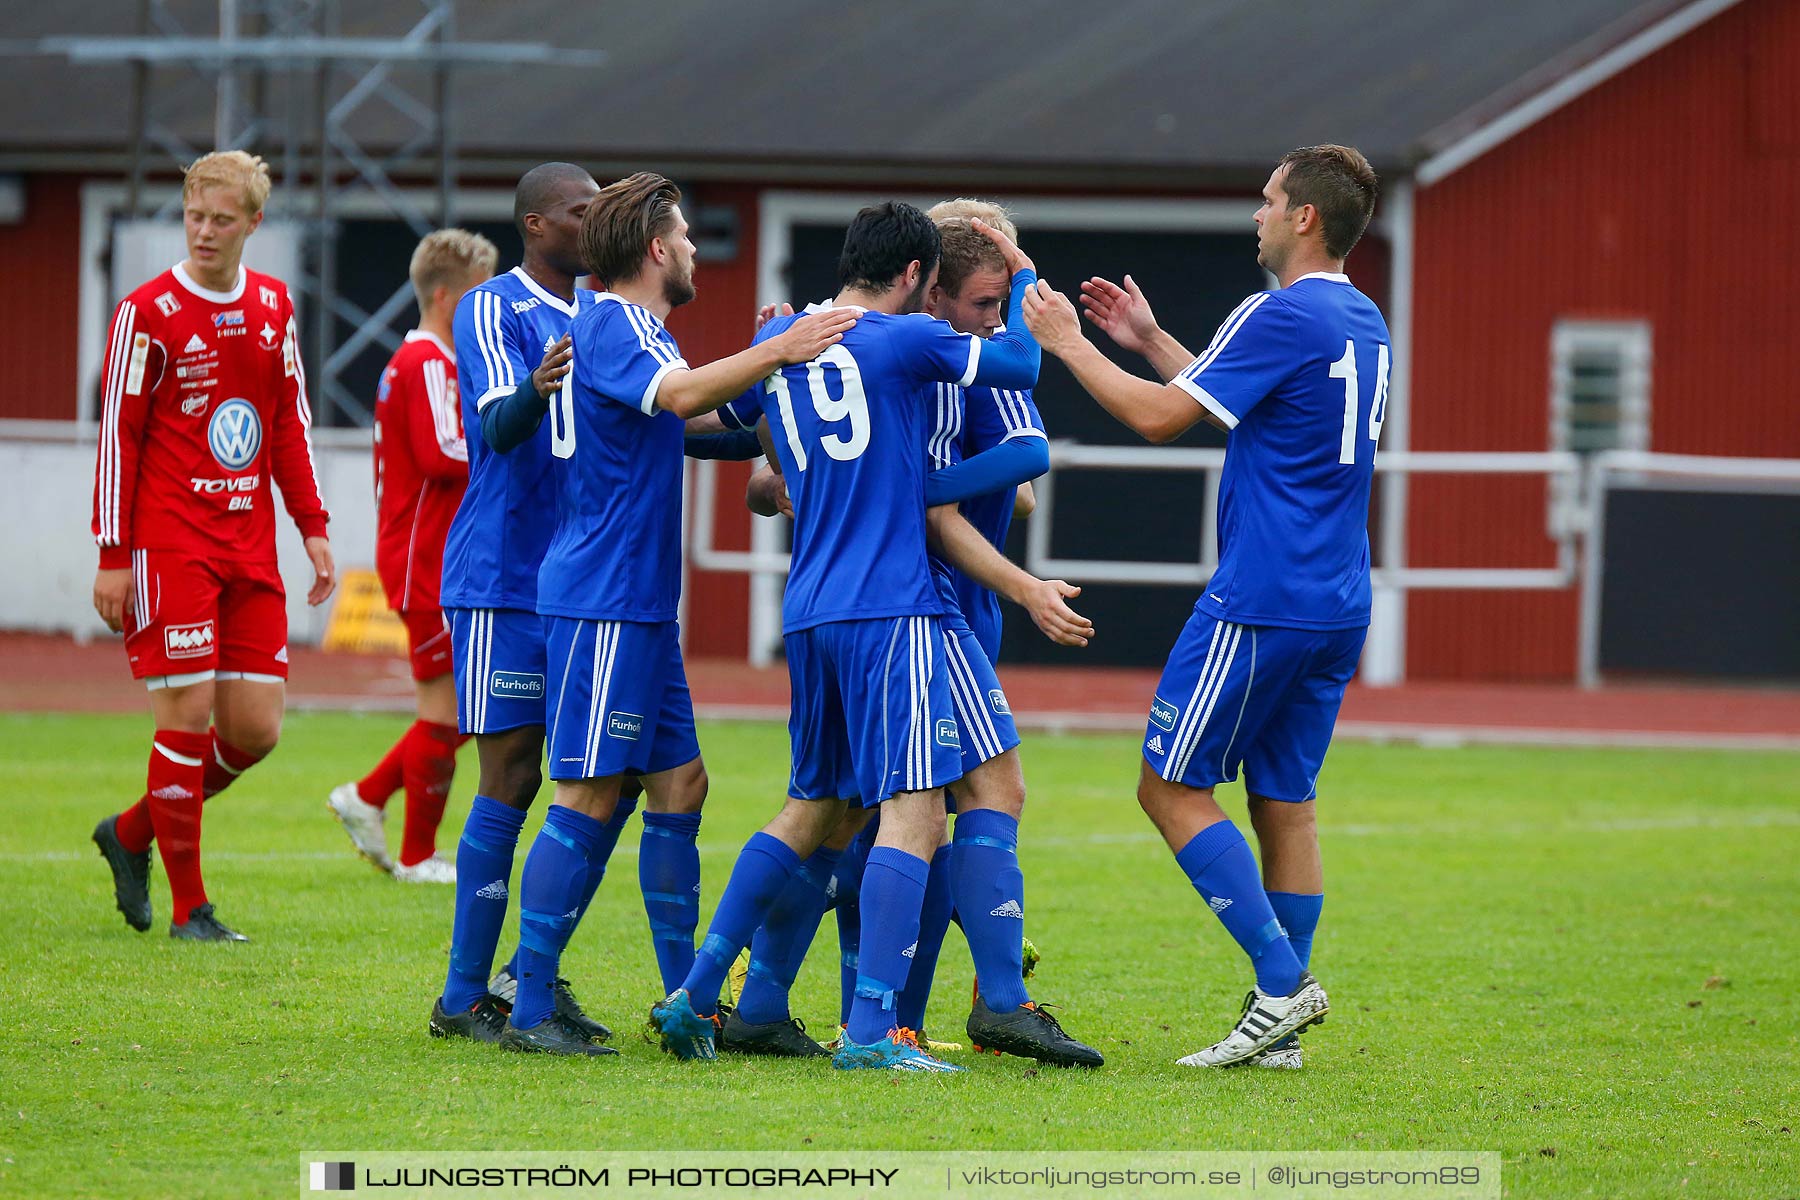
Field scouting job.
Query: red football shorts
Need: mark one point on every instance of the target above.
(195, 617)
(428, 641)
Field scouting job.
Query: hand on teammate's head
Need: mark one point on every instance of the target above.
(1016, 259)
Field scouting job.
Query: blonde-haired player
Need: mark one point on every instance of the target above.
(421, 471)
(203, 404)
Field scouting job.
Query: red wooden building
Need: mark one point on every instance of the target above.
(1584, 240)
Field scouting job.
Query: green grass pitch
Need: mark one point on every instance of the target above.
(1583, 959)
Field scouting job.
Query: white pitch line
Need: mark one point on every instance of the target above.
(1768, 819)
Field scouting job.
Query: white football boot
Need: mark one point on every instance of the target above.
(436, 869)
(363, 822)
(1267, 1020)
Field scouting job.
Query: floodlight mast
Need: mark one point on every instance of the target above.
(324, 78)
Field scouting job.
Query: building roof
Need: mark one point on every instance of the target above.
(1176, 91)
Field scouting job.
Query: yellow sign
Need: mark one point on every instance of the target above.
(361, 621)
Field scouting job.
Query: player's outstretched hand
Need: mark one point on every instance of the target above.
(1051, 319)
(1121, 311)
(1047, 602)
(548, 377)
(808, 337)
(769, 312)
(324, 571)
(112, 588)
(1016, 259)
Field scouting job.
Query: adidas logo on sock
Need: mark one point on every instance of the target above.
(173, 792)
(493, 891)
(1009, 909)
(910, 950)
(1156, 746)
(696, 889)
(831, 888)
(1218, 904)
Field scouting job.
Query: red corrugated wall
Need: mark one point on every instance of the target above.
(40, 259)
(1665, 194)
(719, 322)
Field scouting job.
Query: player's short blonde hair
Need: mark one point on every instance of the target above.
(965, 250)
(447, 258)
(232, 169)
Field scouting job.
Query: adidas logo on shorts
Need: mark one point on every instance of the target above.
(1009, 909)
(910, 950)
(1155, 743)
(1218, 904)
(493, 891)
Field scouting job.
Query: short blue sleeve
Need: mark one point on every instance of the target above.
(490, 358)
(996, 415)
(934, 352)
(1251, 355)
(623, 352)
(743, 412)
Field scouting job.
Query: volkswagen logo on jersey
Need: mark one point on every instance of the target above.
(235, 434)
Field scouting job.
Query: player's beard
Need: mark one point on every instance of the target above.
(679, 290)
(916, 302)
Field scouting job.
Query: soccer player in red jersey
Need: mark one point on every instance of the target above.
(204, 402)
(421, 470)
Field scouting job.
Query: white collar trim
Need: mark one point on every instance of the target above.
(235, 294)
(1328, 276)
(421, 335)
(556, 302)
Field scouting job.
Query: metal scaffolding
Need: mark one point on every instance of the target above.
(289, 85)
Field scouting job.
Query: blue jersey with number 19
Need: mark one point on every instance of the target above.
(850, 428)
(496, 541)
(1300, 378)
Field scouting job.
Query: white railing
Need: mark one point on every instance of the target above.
(1067, 456)
(1578, 533)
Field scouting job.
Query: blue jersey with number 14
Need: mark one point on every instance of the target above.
(1300, 378)
(849, 428)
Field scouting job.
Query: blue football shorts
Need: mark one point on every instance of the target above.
(871, 710)
(619, 698)
(498, 656)
(1262, 697)
(983, 717)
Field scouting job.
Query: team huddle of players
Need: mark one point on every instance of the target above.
(534, 431)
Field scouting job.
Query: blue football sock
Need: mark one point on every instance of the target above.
(847, 900)
(934, 922)
(1299, 915)
(892, 893)
(990, 897)
(484, 859)
(780, 945)
(763, 869)
(603, 849)
(1218, 862)
(669, 873)
(550, 890)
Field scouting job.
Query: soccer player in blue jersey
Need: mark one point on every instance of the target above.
(491, 559)
(872, 716)
(1298, 377)
(609, 585)
(978, 874)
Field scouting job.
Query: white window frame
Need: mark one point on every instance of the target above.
(1633, 344)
